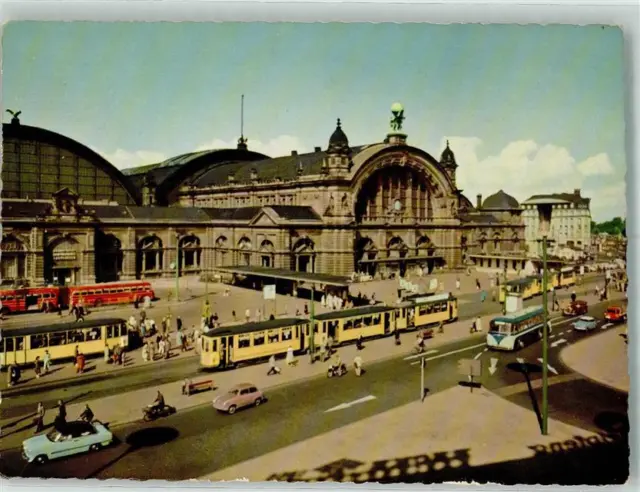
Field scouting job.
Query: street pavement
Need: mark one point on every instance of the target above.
(295, 414)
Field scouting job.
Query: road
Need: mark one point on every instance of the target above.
(200, 441)
(106, 384)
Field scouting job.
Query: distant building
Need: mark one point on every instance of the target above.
(570, 223)
(608, 246)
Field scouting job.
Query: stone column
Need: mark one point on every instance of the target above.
(129, 252)
(88, 259)
(35, 262)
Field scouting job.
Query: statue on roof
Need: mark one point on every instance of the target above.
(398, 117)
(14, 114)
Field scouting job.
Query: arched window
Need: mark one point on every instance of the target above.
(221, 251)
(190, 253)
(396, 248)
(13, 258)
(150, 255)
(303, 255)
(244, 250)
(267, 254)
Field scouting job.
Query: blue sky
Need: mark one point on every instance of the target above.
(528, 109)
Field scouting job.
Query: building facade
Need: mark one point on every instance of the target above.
(380, 209)
(570, 223)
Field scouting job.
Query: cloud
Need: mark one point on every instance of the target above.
(608, 202)
(123, 159)
(596, 165)
(524, 168)
(278, 146)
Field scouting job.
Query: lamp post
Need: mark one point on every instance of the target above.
(312, 322)
(544, 215)
(177, 267)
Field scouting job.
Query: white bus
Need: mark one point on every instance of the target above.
(514, 331)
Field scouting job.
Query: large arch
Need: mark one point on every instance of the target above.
(244, 251)
(38, 162)
(401, 183)
(366, 256)
(267, 254)
(221, 251)
(303, 255)
(189, 253)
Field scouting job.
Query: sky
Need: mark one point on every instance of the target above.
(527, 109)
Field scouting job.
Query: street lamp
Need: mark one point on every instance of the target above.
(177, 267)
(544, 216)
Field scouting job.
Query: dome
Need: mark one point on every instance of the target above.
(448, 158)
(500, 200)
(338, 143)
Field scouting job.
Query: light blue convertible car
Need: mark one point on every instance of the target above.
(73, 438)
(585, 323)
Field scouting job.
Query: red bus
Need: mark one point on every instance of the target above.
(25, 299)
(107, 293)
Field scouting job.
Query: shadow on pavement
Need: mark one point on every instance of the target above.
(526, 368)
(143, 438)
(596, 460)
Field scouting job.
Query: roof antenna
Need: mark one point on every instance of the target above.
(242, 142)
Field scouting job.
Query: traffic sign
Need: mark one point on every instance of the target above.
(470, 367)
(269, 292)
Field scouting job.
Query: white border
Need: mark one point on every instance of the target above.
(624, 13)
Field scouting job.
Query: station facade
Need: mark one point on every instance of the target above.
(69, 216)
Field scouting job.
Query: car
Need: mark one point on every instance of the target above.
(239, 396)
(72, 438)
(576, 308)
(615, 314)
(585, 323)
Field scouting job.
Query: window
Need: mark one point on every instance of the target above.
(214, 345)
(94, 334)
(59, 338)
(367, 321)
(348, 325)
(8, 344)
(273, 336)
(39, 341)
(244, 341)
(376, 319)
(258, 338)
(287, 334)
(75, 336)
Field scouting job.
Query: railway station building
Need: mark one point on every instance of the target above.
(69, 216)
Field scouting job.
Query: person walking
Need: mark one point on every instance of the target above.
(61, 419)
(273, 369)
(145, 352)
(47, 361)
(179, 323)
(357, 365)
(290, 359)
(36, 367)
(80, 363)
(39, 420)
(477, 284)
(161, 347)
(458, 283)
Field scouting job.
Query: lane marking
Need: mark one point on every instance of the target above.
(478, 355)
(552, 336)
(342, 406)
(552, 369)
(558, 342)
(536, 384)
(447, 353)
(493, 367)
(605, 326)
(411, 357)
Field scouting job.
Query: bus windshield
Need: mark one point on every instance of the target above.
(500, 327)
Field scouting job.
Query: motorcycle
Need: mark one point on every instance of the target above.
(150, 413)
(338, 371)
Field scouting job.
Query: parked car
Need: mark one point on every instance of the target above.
(577, 308)
(615, 314)
(74, 438)
(585, 323)
(239, 396)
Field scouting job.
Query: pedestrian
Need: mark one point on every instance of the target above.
(161, 347)
(145, 352)
(76, 353)
(458, 283)
(290, 359)
(258, 315)
(247, 315)
(179, 323)
(107, 353)
(397, 337)
(167, 341)
(273, 369)
(47, 361)
(179, 338)
(306, 310)
(478, 324)
(152, 350)
(36, 367)
(357, 365)
(39, 420)
(80, 363)
(477, 284)
(62, 411)
(59, 309)
(483, 296)
(233, 315)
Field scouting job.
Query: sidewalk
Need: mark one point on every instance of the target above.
(444, 436)
(66, 371)
(603, 358)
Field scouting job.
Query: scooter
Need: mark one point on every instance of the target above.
(338, 371)
(150, 413)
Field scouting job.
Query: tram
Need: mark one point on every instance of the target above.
(566, 277)
(516, 330)
(251, 342)
(23, 345)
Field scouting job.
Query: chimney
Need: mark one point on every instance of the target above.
(294, 152)
(231, 178)
(576, 191)
(317, 149)
(254, 174)
(479, 201)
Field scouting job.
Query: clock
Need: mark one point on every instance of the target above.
(397, 205)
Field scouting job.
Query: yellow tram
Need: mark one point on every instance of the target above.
(251, 342)
(230, 345)
(565, 277)
(23, 345)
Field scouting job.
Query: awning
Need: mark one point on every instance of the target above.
(283, 274)
(406, 258)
